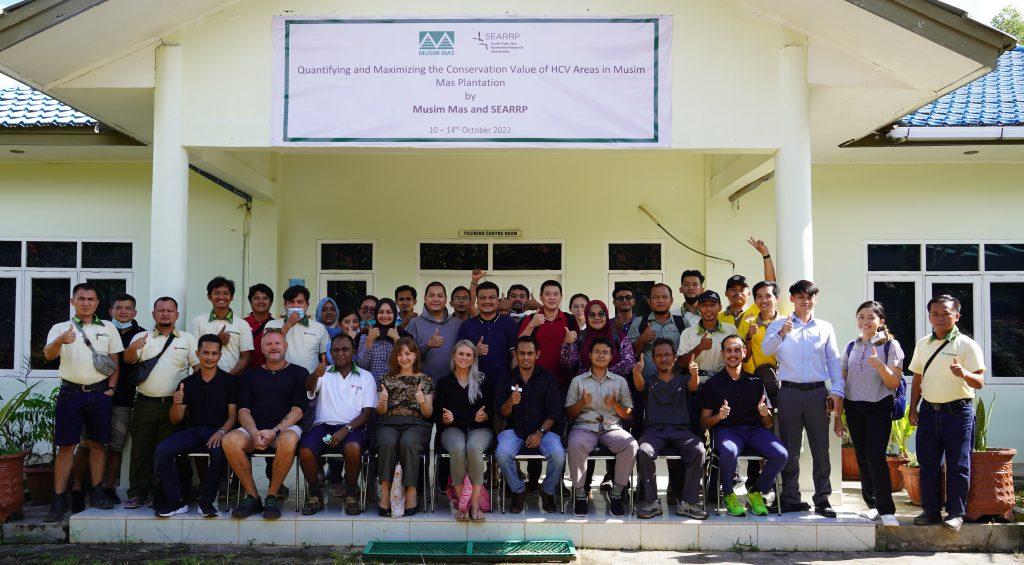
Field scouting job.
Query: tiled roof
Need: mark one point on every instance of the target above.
(996, 99)
(22, 107)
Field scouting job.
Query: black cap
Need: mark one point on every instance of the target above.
(736, 280)
(709, 295)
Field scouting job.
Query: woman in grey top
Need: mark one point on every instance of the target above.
(872, 368)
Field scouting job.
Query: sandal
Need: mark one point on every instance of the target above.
(383, 512)
(461, 516)
(477, 515)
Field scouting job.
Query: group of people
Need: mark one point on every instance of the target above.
(504, 376)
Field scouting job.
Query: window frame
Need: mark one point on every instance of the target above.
(986, 297)
(326, 275)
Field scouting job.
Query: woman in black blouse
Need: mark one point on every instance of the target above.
(463, 409)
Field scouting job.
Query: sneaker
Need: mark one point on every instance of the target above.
(616, 507)
(547, 502)
(890, 520)
(518, 503)
(272, 507)
(756, 502)
(98, 500)
(134, 502)
(58, 508)
(580, 508)
(172, 510)
(691, 511)
(733, 506)
(871, 514)
(207, 509)
(77, 501)
(111, 495)
(953, 523)
(283, 492)
(352, 507)
(249, 506)
(606, 484)
(926, 519)
(648, 510)
(313, 505)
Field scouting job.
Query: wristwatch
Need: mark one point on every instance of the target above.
(277, 432)
(348, 427)
(542, 430)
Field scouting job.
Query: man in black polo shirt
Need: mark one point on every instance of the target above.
(531, 404)
(271, 400)
(206, 398)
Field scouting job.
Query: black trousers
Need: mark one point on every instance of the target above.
(870, 424)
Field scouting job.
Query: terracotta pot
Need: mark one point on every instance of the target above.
(850, 470)
(912, 482)
(895, 477)
(12, 492)
(39, 481)
(991, 492)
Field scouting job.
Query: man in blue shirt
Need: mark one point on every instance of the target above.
(494, 334)
(808, 356)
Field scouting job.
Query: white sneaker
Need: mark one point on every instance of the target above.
(889, 520)
(871, 514)
(175, 512)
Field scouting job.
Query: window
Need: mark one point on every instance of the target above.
(346, 271)
(951, 257)
(453, 256)
(1004, 257)
(522, 262)
(900, 301)
(634, 256)
(894, 257)
(641, 295)
(638, 267)
(346, 257)
(36, 278)
(1008, 318)
(527, 257)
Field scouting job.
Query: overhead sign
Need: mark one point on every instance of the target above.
(491, 234)
(567, 82)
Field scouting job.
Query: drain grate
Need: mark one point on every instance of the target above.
(538, 550)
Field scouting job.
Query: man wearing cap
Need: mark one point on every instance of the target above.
(702, 344)
(736, 288)
(808, 357)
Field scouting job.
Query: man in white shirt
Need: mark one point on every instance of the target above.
(346, 396)
(234, 332)
(307, 339)
(702, 343)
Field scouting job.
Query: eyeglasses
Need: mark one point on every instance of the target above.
(366, 308)
(624, 299)
(596, 315)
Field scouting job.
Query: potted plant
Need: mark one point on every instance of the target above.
(851, 472)
(991, 491)
(899, 453)
(38, 414)
(911, 474)
(13, 450)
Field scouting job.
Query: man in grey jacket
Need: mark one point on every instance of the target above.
(435, 331)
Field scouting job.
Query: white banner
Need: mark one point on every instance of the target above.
(457, 82)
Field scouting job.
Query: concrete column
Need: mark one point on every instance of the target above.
(794, 258)
(168, 247)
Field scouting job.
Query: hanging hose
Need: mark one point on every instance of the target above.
(676, 239)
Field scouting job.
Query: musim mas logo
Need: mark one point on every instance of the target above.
(437, 43)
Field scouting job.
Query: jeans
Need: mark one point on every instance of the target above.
(178, 444)
(945, 434)
(510, 445)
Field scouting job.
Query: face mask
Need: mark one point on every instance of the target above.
(122, 325)
(297, 311)
(367, 323)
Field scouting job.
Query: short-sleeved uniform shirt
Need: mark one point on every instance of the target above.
(939, 384)
(270, 395)
(239, 332)
(175, 364)
(342, 398)
(206, 403)
(598, 417)
(76, 358)
(307, 340)
(709, 360)
(743, 395)
(728, 318)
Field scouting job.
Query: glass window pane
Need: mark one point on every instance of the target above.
(634, 256)
(951, 257)
(964, 292)
(1004, 256)
(106, 255)
(899, 299)
(527, 256)
(347, 293)
(894, 257)
(453, 256)
(641, 293)
(8, 302)
(10, 253)
(1007, 319)
(346, 256)
(51, 254)
(107, 289)
(49, 306)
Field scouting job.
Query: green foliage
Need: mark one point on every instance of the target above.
(14, 434)
(29, 427)
(1010, 20)
(847, 441)
(899, 438)
(982, 417)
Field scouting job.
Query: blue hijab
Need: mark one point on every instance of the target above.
(334, 330)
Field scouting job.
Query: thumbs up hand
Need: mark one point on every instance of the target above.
(481, 415)
(420, 397)
(638, 367)
(373, 333)
(392, 333)
(570, 337)
(873, 359)
(762, 407)
(68, 336)
(482, 348)
(382, 395)
(705, 343)
(179, 395)
(752, 329)
(447, 417)
(957, 369)
(694, 369)
(723, 412)
(223, 335)
(787, 326)
(139, 343)
(586, 399)
(436, 340)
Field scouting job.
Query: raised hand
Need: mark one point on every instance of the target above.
(638, 367)
(752, 329)
(873, 359)
(373, 333)
(447, 417)
(694, 369)
(482, 348)
(481, 415)
(504, 305)
(705, 343)
(570, 337)
(762, 406)
(758, 244)
(517, 395)
(648, 335)
(179, 395)
(420, 397)
(537, 320)
(477, 275)
(68, 336)
(382, 395)
(787, 326)
(724, 411)
(223, 335)
(586, 399)
(957, 369)
(139, 343)
(436, 340)
(392, 333)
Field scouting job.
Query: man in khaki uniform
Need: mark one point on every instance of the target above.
(234, 332)
(169, 356)
(86, 396)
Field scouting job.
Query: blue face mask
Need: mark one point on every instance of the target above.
(367, 323)
(122, 325)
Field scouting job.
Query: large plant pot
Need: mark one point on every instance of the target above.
(912, 482)
(39, 481)
(991, 492)
(850, 470)
(12, 493)
(895, 477)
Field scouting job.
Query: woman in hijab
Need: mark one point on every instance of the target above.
(576, 355)
(376, 343)
(327, 314)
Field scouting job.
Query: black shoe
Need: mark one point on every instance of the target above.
(798, 507)
(616, 507)
(250, 505)
(606, 484)
(532, 487)
(272, 507)
(547, 502)
(77, 501)
(926, 519)
(111, 495)
(825, 510)
(207, 509)
(580, 508)
(98, 500)
(518, 503)
(411, 511)
(58, 508)
(283, 492)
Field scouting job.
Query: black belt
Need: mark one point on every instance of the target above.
(803, 386)
(161, 399)
(94, 387)
(703, 373)
(937, 406)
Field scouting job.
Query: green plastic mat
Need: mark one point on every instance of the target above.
(537, 550)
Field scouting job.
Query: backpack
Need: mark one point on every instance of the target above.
(645, 321)
(899, 401)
